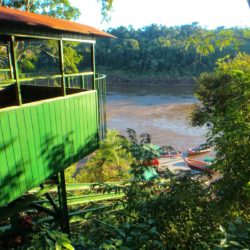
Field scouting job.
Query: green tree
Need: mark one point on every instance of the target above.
(185, 50)
(56, 8)
(32, 55)
(225, 108)
(106, 7)
(111, 161)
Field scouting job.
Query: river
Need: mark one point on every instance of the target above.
(160, 111)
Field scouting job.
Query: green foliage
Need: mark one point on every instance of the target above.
(71, 58)
(3, 57)
(42, 56)
(178, 212)
(57, 8)
(111, 161)
(58, 240)
(50, 239)
(185, 50)
(70, 174)
(205, 42)
(143, 152)
(106, 8)
(225, 108)
(174, 214)
(236, 235)
(27, 56)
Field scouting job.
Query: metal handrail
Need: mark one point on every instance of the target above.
(77, 81)
(100, 82)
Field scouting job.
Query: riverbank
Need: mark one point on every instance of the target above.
(147, 78)
(161, 112)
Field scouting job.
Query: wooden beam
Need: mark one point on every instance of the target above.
(94, 86)
(61, 61)
(62, 197)
(47, 34)
(15, 70)
(10, 61)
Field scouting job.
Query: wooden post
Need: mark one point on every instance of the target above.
(82, 84)
(15, 70)
(10, 61)
(62, 196)
(94, 86)
(61, 62)
(104, 106)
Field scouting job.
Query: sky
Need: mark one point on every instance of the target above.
(140, 13)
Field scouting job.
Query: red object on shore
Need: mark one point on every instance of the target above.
(198, 165)
(154, 162)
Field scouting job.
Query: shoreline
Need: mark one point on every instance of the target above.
(148, 80)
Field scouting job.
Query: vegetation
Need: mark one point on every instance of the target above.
(225, 109)
(57, 8)
(41, 57)
(111, 162)
(178, 212)
(178, 51)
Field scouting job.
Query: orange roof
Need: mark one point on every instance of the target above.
(32, 19)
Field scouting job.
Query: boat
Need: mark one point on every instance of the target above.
(203, 148)
(198, 165)
(169, 152)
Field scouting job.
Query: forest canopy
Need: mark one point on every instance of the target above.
(185, 50)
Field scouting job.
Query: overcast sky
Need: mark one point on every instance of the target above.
(139, 13)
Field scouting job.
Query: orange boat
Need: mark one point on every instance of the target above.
(198, 165)
(203, 148)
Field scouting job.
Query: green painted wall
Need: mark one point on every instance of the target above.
(39, 139)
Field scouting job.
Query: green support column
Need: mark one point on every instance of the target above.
(104, 106)
(61, 61)
(15, 70)
(82, 83)
(94, 86)
(62, 197)
(10, 61)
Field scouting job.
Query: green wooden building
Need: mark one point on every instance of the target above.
(48, 120)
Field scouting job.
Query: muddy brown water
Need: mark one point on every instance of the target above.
(161, 111)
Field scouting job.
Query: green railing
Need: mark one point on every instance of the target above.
(75, 81)
(100, 83)
(78, 81)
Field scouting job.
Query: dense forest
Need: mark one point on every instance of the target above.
(158, 51)
(178, 51)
